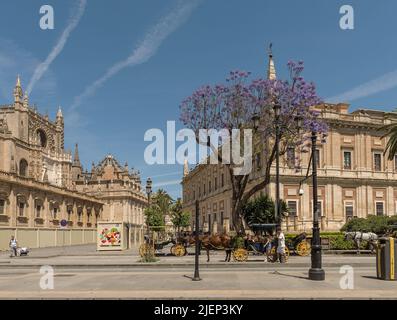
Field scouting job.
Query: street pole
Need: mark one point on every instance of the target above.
(277, 204)
(316, 272)
(197, 248)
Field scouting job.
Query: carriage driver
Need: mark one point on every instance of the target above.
(280, 245)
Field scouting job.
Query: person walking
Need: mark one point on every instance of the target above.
(280, 245)
(268, 248)
(13, 247)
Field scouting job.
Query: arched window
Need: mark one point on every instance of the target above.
(23, 168)
(42, 138)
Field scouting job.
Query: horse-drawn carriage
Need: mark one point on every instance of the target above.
(157, 239)
(263, 243)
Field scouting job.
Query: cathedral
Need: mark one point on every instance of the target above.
(46, 199)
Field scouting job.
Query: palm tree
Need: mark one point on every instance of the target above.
(163, 201)
(391, 146)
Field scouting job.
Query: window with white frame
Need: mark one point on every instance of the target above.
(347, 160)
(349, 210)
(379, 207)
(292, 208)
(377, 161)
(319, 208)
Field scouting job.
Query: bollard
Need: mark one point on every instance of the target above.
(386, 253)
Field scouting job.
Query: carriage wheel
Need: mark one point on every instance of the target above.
(303, 248)
(179, 250)
(146, 249)
(273, 254)
(240, 255)
(172, 250)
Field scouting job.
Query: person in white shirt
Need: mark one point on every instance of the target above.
(280, 246)
(13, 246)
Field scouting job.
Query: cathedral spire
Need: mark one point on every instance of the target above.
(185, 168)
(59, 117)
(271, 70)
(26, 100)
(18, 94)
(76, 158)
(59, 113)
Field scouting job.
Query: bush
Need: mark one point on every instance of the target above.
(336, 239)
(377, 224)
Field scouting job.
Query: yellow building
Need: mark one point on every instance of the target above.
(354, 176)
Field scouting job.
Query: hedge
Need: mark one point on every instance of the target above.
(337, 241)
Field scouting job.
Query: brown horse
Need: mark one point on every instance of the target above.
(211, 242)
(217, 242)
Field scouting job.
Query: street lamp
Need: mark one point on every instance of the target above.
(196, 276)
(277, 110)
(148, 192)
(149, 189)
(315, 272)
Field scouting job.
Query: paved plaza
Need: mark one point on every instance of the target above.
(81, 272)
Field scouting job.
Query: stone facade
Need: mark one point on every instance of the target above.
(41, 185)
(354, 176)
(36, 188)
(119, 188)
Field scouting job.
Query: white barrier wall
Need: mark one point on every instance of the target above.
(40, 238)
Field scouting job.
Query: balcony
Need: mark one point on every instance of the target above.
(22, 219)
(39, 221)
(4, 218)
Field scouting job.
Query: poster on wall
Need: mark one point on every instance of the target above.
(110, 236)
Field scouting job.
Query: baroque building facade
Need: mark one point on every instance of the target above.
(120, 190)
(42, 186)
(355, 177)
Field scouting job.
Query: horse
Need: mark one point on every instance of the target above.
(359, 236)
(217, 242)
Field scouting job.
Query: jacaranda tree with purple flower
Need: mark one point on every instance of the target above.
(237, 103)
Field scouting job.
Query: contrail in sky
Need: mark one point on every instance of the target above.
(382, 83)
(72, 24)
(147, 48)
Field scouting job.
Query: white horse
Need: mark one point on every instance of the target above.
(359, 236)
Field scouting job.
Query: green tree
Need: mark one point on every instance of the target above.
(179, 218)
(154, 217)
(163, 201)
(391, 146)
(262, 210)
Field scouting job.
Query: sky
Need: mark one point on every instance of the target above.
(118, 68)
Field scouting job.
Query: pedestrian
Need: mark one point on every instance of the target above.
(268, 248)
(13, 247)
(280, 245)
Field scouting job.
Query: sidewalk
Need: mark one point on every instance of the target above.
(86, 256)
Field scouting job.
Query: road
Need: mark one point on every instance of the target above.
(82, 273)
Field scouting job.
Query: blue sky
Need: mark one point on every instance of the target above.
(208, 41)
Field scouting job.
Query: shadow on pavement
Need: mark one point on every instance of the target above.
(289, 275)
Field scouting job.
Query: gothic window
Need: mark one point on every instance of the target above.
(2, 206)
(42, 138)
(38, 211)
(23, 168)
(21, 208)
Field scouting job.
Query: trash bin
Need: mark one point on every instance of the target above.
(386, 253)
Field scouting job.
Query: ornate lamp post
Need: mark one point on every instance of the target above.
(148, 189)
(148, 192)
(315, 272)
